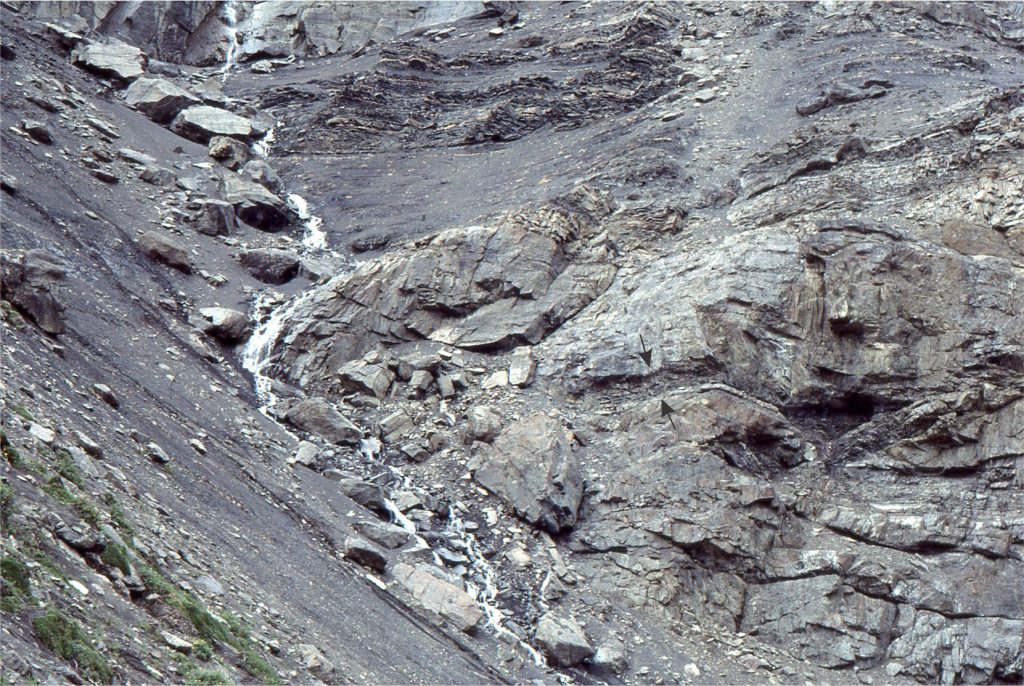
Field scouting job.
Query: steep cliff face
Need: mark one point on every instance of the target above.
(197, 32)
(459, 343)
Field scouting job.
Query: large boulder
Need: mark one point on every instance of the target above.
(563, 640)
(317, 416)
(215, 218)
(226, 324)
(362, 376)
(440, 596)
(158, 99)
(534, 470)
(254, 204)
(271, 265)
(29, 284)
(200, 123)
(165, 249)
(112, 59)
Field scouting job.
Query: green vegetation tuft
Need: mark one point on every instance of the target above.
(11, 453)
(258, 667)
(67, 468)
(64, 636)
(156, 582)
(17, 588)
(6, 504)
(118, 517)
(23, 412)
(206, 625)
(115, 555)
(56, 490)
(196, 675)
(202, 650)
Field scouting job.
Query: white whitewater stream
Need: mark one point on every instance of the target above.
(273, 314)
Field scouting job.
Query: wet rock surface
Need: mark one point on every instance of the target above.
(594, 342)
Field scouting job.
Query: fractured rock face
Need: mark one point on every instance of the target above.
(534, 470)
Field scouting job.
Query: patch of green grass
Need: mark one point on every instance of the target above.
(11, 453)
(118, 517)
(237, 626)
(6, 504)
(64, 636)
(67, 468)
(206, 625)
(196, 675)
(115, 555)
(11, 315)
(155, 581)
(23, 412)
(202, 650)
(16, 574)
(258, 667)
(56, 490)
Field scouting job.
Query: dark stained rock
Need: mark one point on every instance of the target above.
(271, 265)
(31, 284)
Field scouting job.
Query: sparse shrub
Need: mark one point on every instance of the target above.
(206, 625)
(258, 667)
(67, 468)
(202, 650)
(17, 584)
(11, 453)
(64, 636)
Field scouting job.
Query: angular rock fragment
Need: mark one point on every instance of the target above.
(226, 324)
(113, 59)
(158, 99)
(366, 554)
(437, 595)
(562, 639)
(215, 218)
(361, 376)
(31, 283)
(318, 416)
(534, 470)
(254, 204)
(200, 123)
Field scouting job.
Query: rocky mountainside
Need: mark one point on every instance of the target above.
(466, 342)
